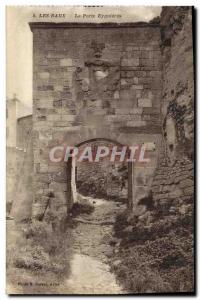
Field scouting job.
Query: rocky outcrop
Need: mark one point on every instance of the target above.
(173, 183)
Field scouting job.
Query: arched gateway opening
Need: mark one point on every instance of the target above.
(95, 83)
(95, 173)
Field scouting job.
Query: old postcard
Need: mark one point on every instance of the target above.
(100, 150)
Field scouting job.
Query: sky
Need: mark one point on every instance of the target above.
(19, 37)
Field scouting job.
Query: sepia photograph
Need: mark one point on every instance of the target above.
(100, 150)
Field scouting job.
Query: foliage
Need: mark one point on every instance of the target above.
(155, 258)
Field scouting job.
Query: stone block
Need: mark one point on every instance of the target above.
(146, 62)
(140, 180)
(66, 62)
(135, 80)
(155, 85)
(43, 168)
(140, 73)
(65, 122)
(146, 48)
(144, 80)
(132, 48)
(156, 74)
(144, 102)
(136, 123)
(68, 117)
(58, 88)
(136, 117)
(95, 104)
(189, 191)
(125, 94)
(136, 110)
(116, 95)
(147, 54)
(44, 75)
(175, 192)
(156, 53)
(123, 81)
(122, 111)
(45, 87)
(138, 93)
(146, 117)
(128, 111)
(151, 111)
(45, 135)
(55, 186)
(116, 119)
(136, 53)
(157, 63)
(44, 103)
(186, 183)
(57, 103)
(128, 103)
(100, 112)
(136, 87)
(85, 85)
(54, 117)
(130, 62)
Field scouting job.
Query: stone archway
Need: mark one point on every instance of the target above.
(104, 82)
(71, 174)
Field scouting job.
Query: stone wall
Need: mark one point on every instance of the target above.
(24, 131)
(178, 106)
(178, 89)
(173, 184)
(16, 160)
(11, 120)
(20, 171)
(93, 82)
(12, 158)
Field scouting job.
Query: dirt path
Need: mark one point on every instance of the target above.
(89, 246)
(90, 272)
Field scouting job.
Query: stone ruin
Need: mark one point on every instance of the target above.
(125, 84)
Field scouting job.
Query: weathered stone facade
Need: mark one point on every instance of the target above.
(127, 84)
(173, 186)
(172, 190)
(93, 82)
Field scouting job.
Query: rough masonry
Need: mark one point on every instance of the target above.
(109, 82)
(172, 190)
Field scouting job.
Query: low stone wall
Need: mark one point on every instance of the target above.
(13, 158)
(173, 188)
(20, 172)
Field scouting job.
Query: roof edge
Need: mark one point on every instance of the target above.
(23, 117)
(48, 25)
